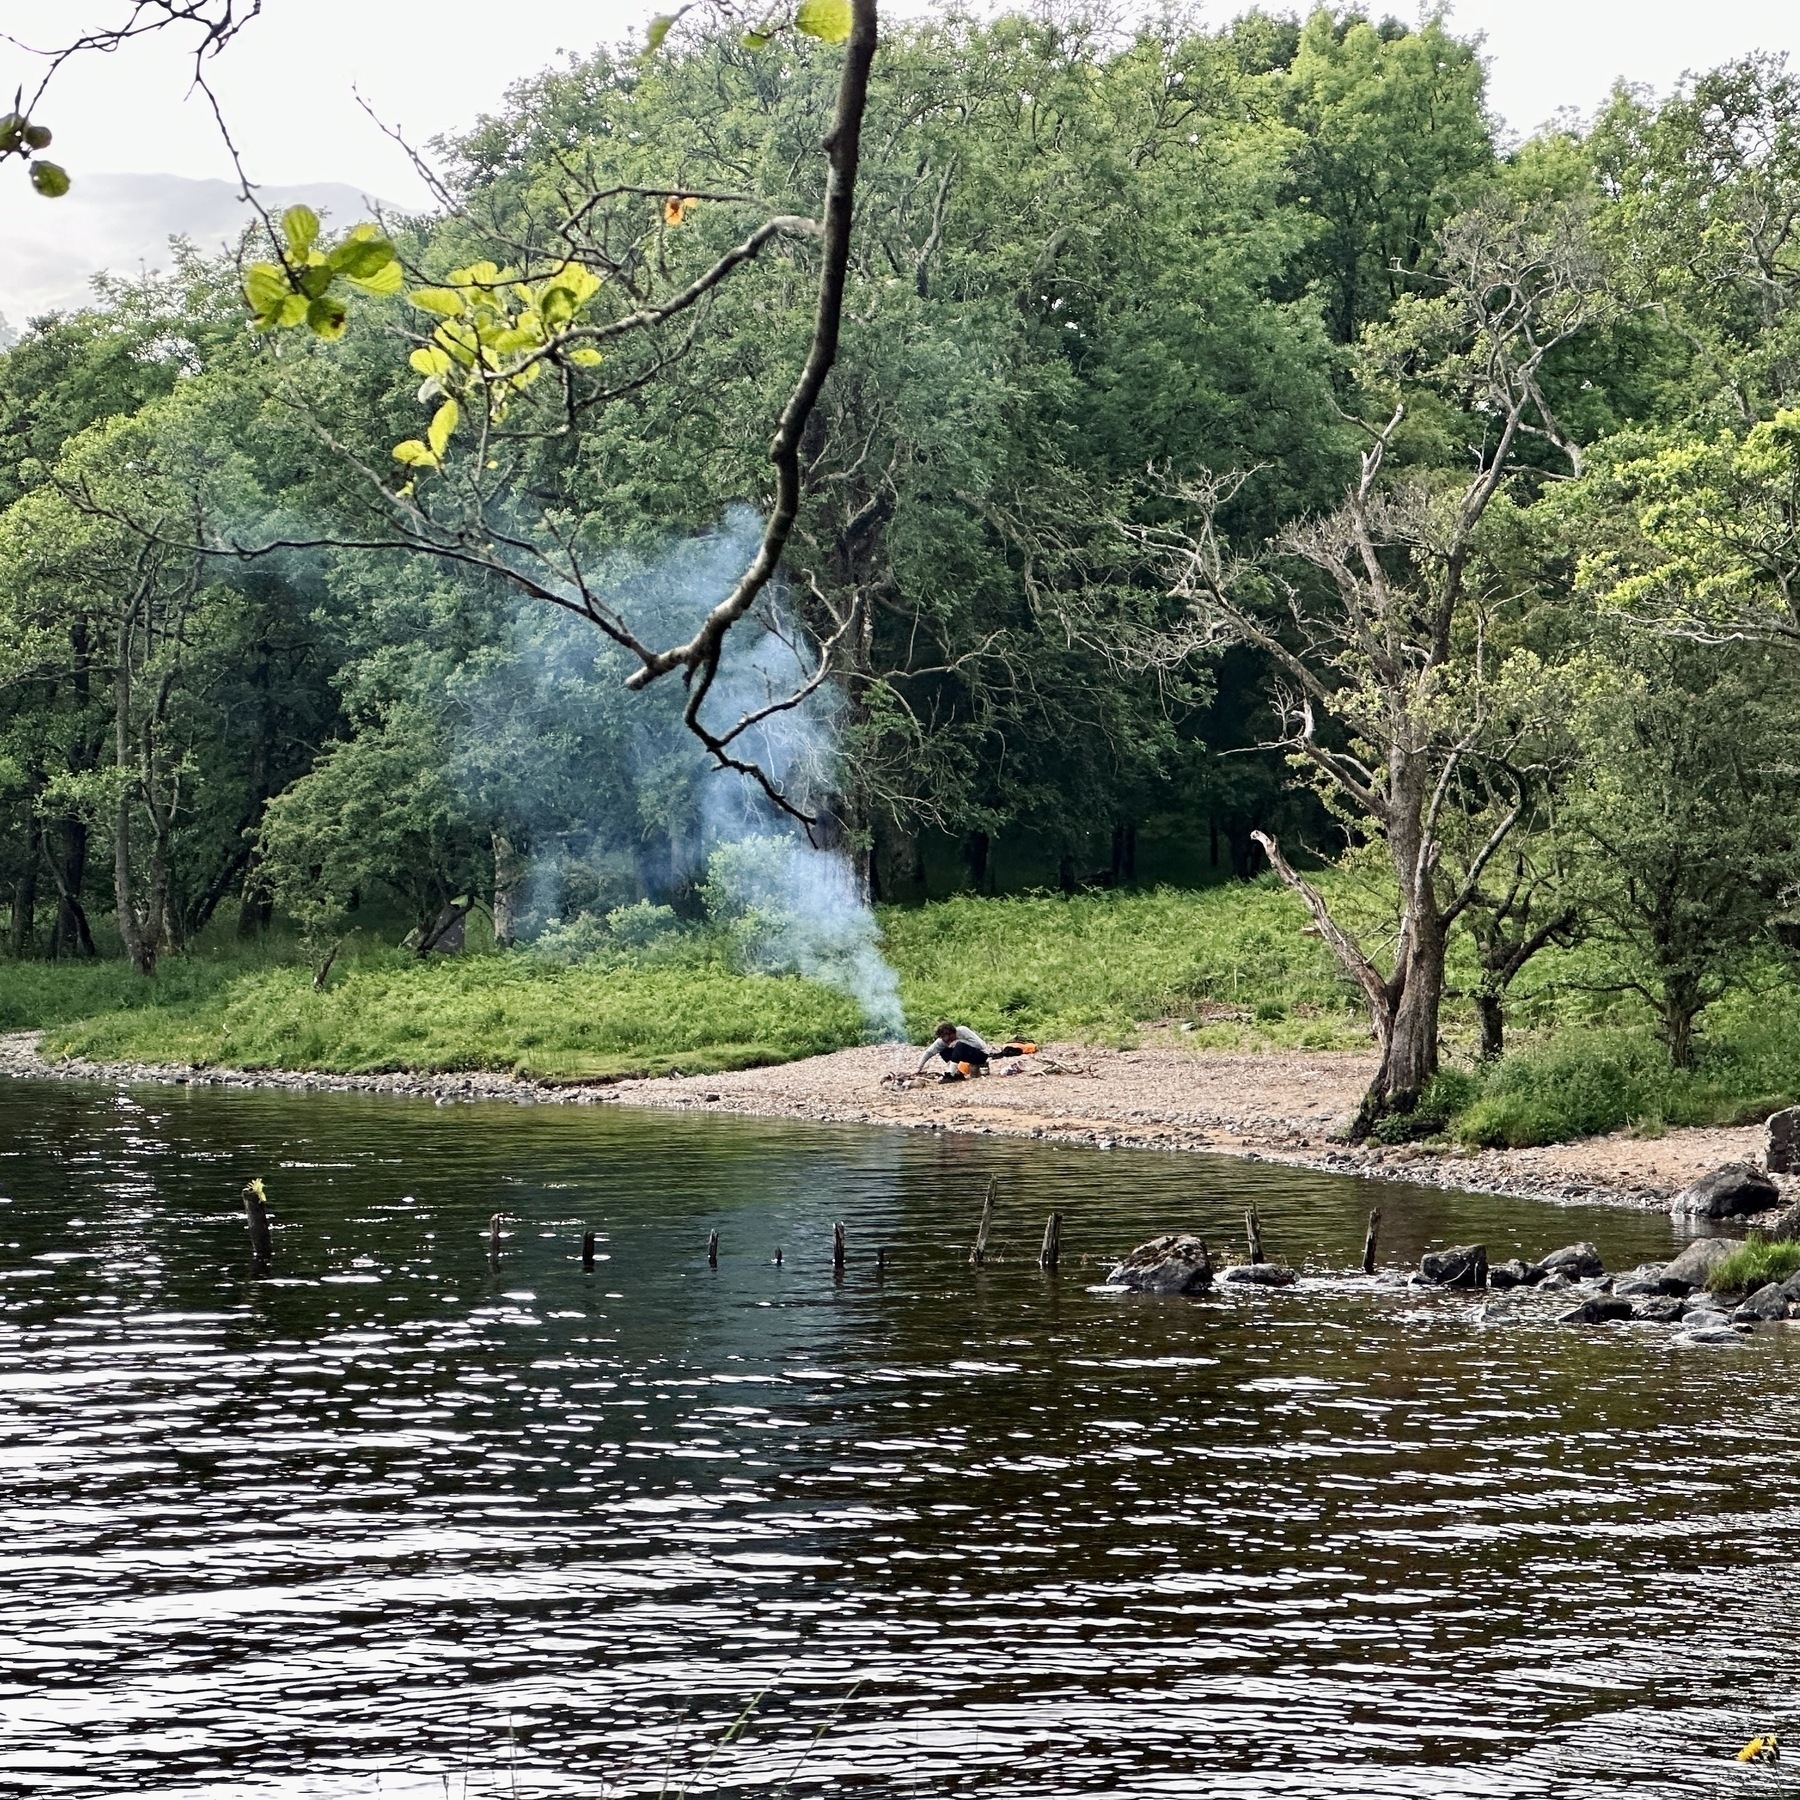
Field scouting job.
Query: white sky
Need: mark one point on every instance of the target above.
(432, 67)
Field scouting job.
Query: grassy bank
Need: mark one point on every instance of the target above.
(1224, 967)
(389, 1011)
(1228, 960)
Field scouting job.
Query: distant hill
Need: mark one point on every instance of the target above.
(49, 249)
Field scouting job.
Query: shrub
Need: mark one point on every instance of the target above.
(1756, 1263)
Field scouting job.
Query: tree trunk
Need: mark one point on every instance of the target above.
(137, 933)
(256, 907)
(510, 869)
(976, 851)
(1403, 1009)
(1409, 1056)
(71, 936)
(24, 900)
(1682, 1004)
(1490, 1020)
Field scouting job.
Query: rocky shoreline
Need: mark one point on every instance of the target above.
(1568, 1286)
(1275, 1107)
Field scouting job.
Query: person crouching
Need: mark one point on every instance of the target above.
(964, 1052)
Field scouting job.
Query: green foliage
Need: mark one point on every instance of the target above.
(1754, 1265)
(304, 286)
(517, 1013)
(1583, 1081)
(1102, 964)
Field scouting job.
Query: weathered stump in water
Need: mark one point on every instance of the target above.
(1369, 1240)
(712, 1251)
(880, 1261)
(978, 1256)
(1253, 1234)
(1051, 1254)
(256, 1213)
(837, 1248)
(494, 1225)
(587, 1251)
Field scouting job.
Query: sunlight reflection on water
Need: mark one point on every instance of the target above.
(395, 1515)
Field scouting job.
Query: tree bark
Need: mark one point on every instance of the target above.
(24, 899)
(71, 935)
(511, 867)
(138, 931)
(1490, 1020)
(1409, 1058)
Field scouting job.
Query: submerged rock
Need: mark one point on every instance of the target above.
(1514, 1272)
(1175, 1263)
(1650, 1278)
(1596, 1312)
(1264, 1274)
(1707, 1334)
(1461, 1266)
(1768, 1302)
(1729, 1192)
(1580, 1262)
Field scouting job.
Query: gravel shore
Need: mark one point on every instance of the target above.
(1274, 1106)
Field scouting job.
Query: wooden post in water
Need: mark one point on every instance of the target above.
(1253, 1231)
(837, 1249)
(978, 1256)
(712, 1251)
(1369, 1241)
(880, 1261)
(494, 1237)
(587, 1251)
(1051, 1254)
(778, 1256)
(256, 1211)
(1206, 1260)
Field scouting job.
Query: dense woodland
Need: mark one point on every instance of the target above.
(1236, 453)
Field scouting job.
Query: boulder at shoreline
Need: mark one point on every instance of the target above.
(1731, 1192)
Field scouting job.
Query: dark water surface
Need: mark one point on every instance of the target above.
(395, 1522)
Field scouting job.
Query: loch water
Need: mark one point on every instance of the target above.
(395, 1520)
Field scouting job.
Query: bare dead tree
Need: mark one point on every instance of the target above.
(1376, 615)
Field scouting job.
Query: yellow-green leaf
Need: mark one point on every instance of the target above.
(444, 421)
(361, 257)
(414, 455)
(446, 303)
(327, 318)
(50, 179)
(430, 361)
(388, 279)
(828, 20)
(659, 29)
(586, 357)
(300, 226)
(265, 287)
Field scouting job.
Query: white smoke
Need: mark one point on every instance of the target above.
(599, 779)
(792, 908)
